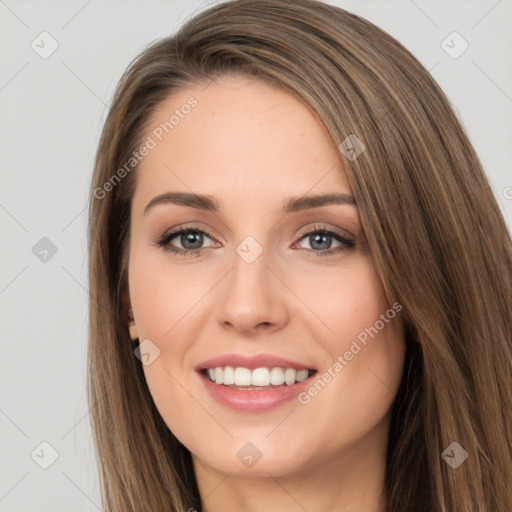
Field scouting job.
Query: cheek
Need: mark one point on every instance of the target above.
(358, 390)
(366, 350)
(163, 295)
(164, 304)
(368, 335)
(346, 301)
(167, 301)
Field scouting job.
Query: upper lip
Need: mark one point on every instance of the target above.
(252, 362)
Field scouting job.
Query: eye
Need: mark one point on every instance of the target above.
(190, 241)
(190, 238)
(320, 238)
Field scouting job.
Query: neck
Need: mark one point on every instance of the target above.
(350, 480)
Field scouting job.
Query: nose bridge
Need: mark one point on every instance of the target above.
(249, 280)
(250, 294)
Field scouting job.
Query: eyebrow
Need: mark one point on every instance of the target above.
(209, 203)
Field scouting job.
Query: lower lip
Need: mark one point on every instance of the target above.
(245, 400)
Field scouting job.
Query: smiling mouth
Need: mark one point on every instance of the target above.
(245, 379)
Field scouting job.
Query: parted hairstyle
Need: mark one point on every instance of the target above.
(437, 236)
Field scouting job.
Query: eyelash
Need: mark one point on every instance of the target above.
(165, 239)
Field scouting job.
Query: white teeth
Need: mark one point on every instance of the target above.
(302, 375)
(229, 376)
(276, 376)
(260, 377)
(242, 377)
(289, 376)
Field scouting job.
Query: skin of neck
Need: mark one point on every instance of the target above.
(350, 481)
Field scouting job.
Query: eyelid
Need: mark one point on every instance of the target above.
(324, 227)
(346, 243)
(177, 230)
(316, 227)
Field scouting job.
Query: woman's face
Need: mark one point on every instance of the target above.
(254, 282)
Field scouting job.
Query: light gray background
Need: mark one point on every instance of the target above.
(51, 114)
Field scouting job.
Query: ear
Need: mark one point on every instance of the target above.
(127, 305)
(129, 316)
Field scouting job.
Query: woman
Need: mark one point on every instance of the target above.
(300, 279)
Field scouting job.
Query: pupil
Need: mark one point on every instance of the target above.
(320, 238)
(189, 237)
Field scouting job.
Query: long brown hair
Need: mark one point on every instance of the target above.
(438, 239)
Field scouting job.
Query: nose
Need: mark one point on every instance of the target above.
(252, 297)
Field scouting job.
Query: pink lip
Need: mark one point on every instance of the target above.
(252, 362)
(245, 400)
(255, 400)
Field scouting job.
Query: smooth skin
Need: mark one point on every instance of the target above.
(252, 147)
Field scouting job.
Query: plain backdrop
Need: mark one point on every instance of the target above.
(52, 109)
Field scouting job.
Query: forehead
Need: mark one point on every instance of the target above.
(240, 135)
